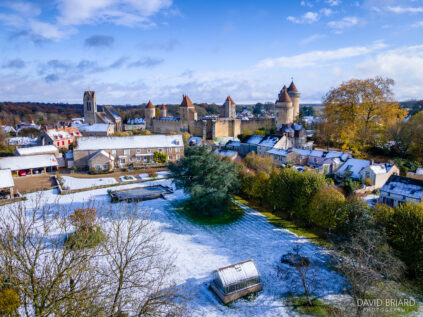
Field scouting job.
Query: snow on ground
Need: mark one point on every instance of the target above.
(79, 183)
(127, 178)
(201, 249)
(371, 199)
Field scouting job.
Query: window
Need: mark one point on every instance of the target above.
(63, 142)
(138, 150)
(68, 141)
(177, 157)
(114, 152)
(177, 150)
(58, 143)
(148, 150)
(160, 150)
(138, 158)
(127, 152)
(105, 166)
(97, 167)
(122, 160)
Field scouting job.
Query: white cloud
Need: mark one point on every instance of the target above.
(398, 9)
(314, 58)
(333, 2)
(346, 22)
(417, 24)
(312, 38)
(120, 12)
(309, 17)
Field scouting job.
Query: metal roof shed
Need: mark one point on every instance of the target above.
(235, 281)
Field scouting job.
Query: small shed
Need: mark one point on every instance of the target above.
(235, 281)
(6, 184)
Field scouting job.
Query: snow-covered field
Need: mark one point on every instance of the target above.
(80, 183)
(201, 249)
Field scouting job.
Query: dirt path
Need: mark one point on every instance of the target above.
(31, 183)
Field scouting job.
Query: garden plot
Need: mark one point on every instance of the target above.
(71, 183)
(127, 178)
(201, 249)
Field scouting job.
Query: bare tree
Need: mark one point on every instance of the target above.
(369, 266)
(301, 273)
(136, 269)
(51, 279)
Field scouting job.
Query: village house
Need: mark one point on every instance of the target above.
(126, 150)
(351, 169)
(378, 174)
(398, 190)
(30, 164)
(7, 185)
(96, 129)
(38, 150)
(283, 157)
(231, 155)
(61, 138)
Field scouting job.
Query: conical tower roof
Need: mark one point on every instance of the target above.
(186, 102)
(284, 97)
(230, 100)
(292, 87)
(163, 107)
(150, 105)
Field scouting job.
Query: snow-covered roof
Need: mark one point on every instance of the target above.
(302, 152)
(236, 273)
(195, 140)
(69, 155)
(27, 162)
(104, 153)
(255, 139)
(233, 143)
(6, 179)
(353, 166)
(297, 127)
(36, 150)
(317, 153)
(22, 140)
(269, 141)
(419, 171)
(278, 152)
(96, 127)
(378, 168)
(58, 134)
(405, 186)
(129, 142)
(8, 128)
(225, 153)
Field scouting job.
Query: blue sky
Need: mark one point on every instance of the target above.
(131, 51)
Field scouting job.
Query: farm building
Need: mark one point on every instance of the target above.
(235, 281)
(38, 150)
(30, 164)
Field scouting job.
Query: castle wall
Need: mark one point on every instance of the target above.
(197, 128)
(165, 125)
(254, 124)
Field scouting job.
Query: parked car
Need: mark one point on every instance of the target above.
(22, 173)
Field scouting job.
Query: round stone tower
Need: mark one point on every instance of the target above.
(284, 108)
(149, 111)
(163, 111)
(229, 108)
(295, 98)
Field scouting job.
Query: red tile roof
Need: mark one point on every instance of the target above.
(292, 87)
(163, 107)
(284, 97)
(230, 100)
(150, 105)
(186, 102)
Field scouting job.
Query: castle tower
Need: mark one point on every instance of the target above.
(149, 114)
(284, 108)
(187, 110)
(295, 97)
(90, 107)
(229, 108)
(163, 111)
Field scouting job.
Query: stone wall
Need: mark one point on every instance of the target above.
(254, 124)
(164, 126)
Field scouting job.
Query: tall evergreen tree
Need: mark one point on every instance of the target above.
(208, 179)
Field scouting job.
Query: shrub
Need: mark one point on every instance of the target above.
(81, 239)
(349, 186)
(324, 208)
(368, 182)
(9, 302)
(152, 175)
(404, 229)
(84, 219)
(160, 157)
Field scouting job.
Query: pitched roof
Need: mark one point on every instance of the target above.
(353, 166)
(129, 142)
(236, 273)
(163, 107)
(150, 105)
(104, 153)
(404, 186)
(292, 87)
(230, 99)
(37, 150)
(186, 102)
(284, 97)
(26, 162)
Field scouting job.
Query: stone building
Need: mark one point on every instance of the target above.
(126, 150)
(93, 116)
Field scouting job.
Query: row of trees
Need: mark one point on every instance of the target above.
(56, 262)
(307, 198)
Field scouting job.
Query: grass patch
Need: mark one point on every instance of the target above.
(230, 215)
(84, 239)
(279, 222)
(317, 307)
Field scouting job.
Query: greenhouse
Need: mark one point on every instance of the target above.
(235, 281)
